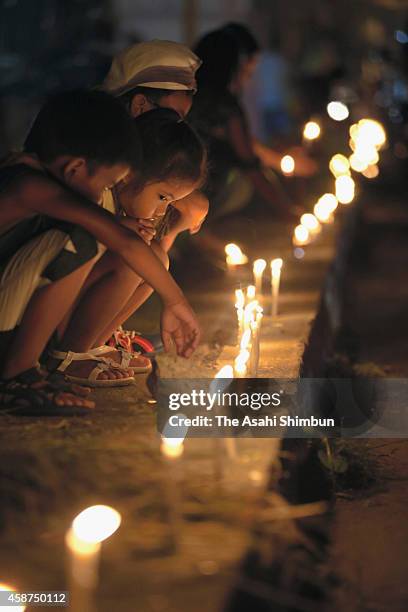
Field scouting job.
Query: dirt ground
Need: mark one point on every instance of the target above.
(370, 545)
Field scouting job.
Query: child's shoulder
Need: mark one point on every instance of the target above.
(18, 177)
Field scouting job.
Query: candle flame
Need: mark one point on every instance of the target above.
(276, 267)
(251, 292)
(310, 222)
(371, 172)
(259, 266)
(245, 340)
(172, 448)
(301, 235)
(287, 164)
(311, 130)
(339, 164)
(337, 111)
(345, 189)
(234, 255)
(95, 524)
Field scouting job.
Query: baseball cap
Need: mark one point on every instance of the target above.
(160, 64)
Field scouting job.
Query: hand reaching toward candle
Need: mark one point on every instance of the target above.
(179, 324)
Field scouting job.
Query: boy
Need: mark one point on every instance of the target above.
(49, 244)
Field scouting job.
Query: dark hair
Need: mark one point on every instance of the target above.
(88, 124)
(153, 94)
(221, 55)
(171, 148)
(244, 37)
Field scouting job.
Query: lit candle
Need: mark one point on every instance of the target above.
(337, 111)
(339, 164)
(311, 131)
(251, 292)
(325, 207)
(240, 305)
(226, 374)
(9, 589)
(235, 257)
(240, 364)
(287, 165)
(258, 270)
(301, 235)
(276, 267)
(345, 189)
(83, 542)
(311, 223)
(255, 344)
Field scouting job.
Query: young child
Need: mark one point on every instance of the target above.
(173, 166)
(52, 233)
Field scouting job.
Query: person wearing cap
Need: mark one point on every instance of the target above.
(147, 76)
(152, 74)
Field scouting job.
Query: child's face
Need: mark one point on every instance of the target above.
(154, 198)
(93, 184)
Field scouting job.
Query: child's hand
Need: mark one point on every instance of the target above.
(143, 227)
(179, 324)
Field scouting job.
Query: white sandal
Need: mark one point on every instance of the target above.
(102, 365)
(126, 357)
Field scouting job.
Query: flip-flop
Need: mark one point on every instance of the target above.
(32, 394)
(102, 365)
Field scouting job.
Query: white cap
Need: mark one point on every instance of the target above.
(160, 64)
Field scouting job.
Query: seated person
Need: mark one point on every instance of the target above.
(52, 233)
(154, 200)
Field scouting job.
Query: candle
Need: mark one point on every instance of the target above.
(226, 374)
(301, 235)
(251, 292)
(337, 110)
(311, 130)
(287, 165)
(345, 189)
(235, 257)
(239, 305)
(258, 270)
(311, 223)
(276, 267)
(254, 362)
(83, 542)
(240, 364)
(325, 207)
(12, 607)
(339, 164)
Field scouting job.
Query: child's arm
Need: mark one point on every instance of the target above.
(43, 196)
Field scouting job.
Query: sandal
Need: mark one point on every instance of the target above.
(32, 394)
(144, 365)
(132, 341)
(103, 364)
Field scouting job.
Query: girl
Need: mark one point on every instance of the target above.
(155, 204)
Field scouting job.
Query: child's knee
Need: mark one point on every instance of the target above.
(162, 255)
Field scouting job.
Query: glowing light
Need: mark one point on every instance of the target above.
(345, 189)
(11, 608)
(287, 164)
(240, 363)
(357, 163)
(172, 448)
(311, 130)
(235, 256)
(371, 172)
(96, 523)
(259, 266)
(339, 164)
(301, 235)
(225, 372)
(330, 201)
(245, 340)
(276, 266)
(310, 222)
(372, 131)
(337, 111)
(239, 298)
(251, 292)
